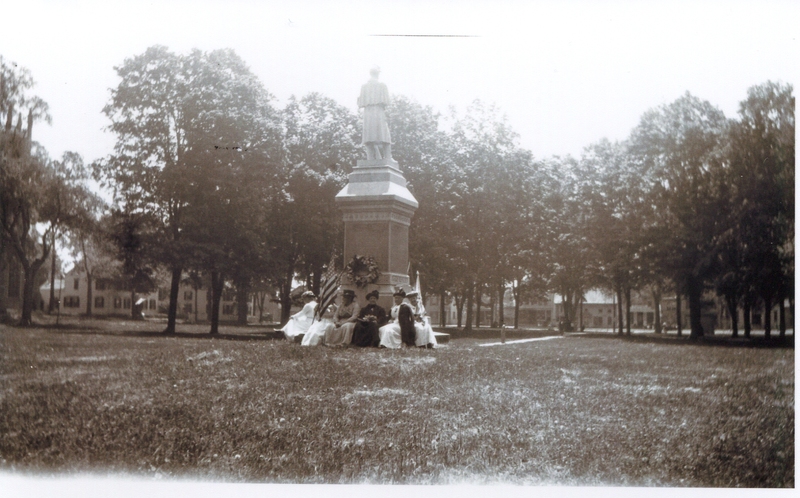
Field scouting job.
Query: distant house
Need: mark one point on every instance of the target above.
(110, 297)
(44, 292)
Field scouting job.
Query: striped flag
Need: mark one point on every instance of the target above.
(328, 287)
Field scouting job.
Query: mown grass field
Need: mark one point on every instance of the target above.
(117, 398)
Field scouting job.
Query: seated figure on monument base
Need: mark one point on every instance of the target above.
(407, 325)
(300, 322)
(344, 321)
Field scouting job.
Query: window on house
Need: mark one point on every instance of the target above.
(72, 302)
(187, 295)
(99, 302)
(117, 303)
(76, 284)
(126, 303)
(227, 309)
(152, 304)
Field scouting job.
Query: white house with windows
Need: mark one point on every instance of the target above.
(109, 296)
(112, 297)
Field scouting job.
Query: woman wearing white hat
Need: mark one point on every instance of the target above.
(300, 322)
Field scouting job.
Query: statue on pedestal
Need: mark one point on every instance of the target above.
(374, 98)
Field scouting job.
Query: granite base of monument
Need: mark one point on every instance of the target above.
(377, 208)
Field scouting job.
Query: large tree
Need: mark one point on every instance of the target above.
(38, 196)
(680, 149)
(483, 142)
(320, 144)
(147, 169)
(425, 154)
(195, 143)
(232, 164)
(759, 246)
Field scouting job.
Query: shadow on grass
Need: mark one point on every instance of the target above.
(246, 336)
(718, 341)
(153, 329)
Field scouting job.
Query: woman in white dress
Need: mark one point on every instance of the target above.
(316, 333)
(422, 323)
(344, 321)
(300, 322)
(391, 334)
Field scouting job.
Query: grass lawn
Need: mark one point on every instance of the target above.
(111, 397)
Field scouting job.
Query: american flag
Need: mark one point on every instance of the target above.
(327, 288)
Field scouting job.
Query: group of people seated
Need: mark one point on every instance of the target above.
(350, 325)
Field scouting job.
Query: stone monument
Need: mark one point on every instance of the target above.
(376, 204)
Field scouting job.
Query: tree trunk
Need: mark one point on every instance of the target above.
(580, 311)
(442, 316)
(459, 310)
(767, 316)
(734, 313)
(27, 296)
(628, 310)
(285, 296)
(28, 288)
(695, 291)
(517, 292)
(135, 315)
(621, 322)
(678, 316)
(317, 280)
(492, 302)
(172, 311)
(478, 289)
(501, 295)
(52, 304)
(217, 284)
(241, 302)
(656, 292)
(782, 318)
(4, 265)
(89, 294)
(566, 306)
(469, 297)
(262, 297)
(748, 324)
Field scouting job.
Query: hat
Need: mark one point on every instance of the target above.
(308, 294)
(348, 292)
(399, 292)
(374, 293)
(413, 293)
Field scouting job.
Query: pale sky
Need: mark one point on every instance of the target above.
(565, 73)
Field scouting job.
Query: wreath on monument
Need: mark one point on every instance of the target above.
(362, 270)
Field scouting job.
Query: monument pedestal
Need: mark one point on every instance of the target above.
(377, 208)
